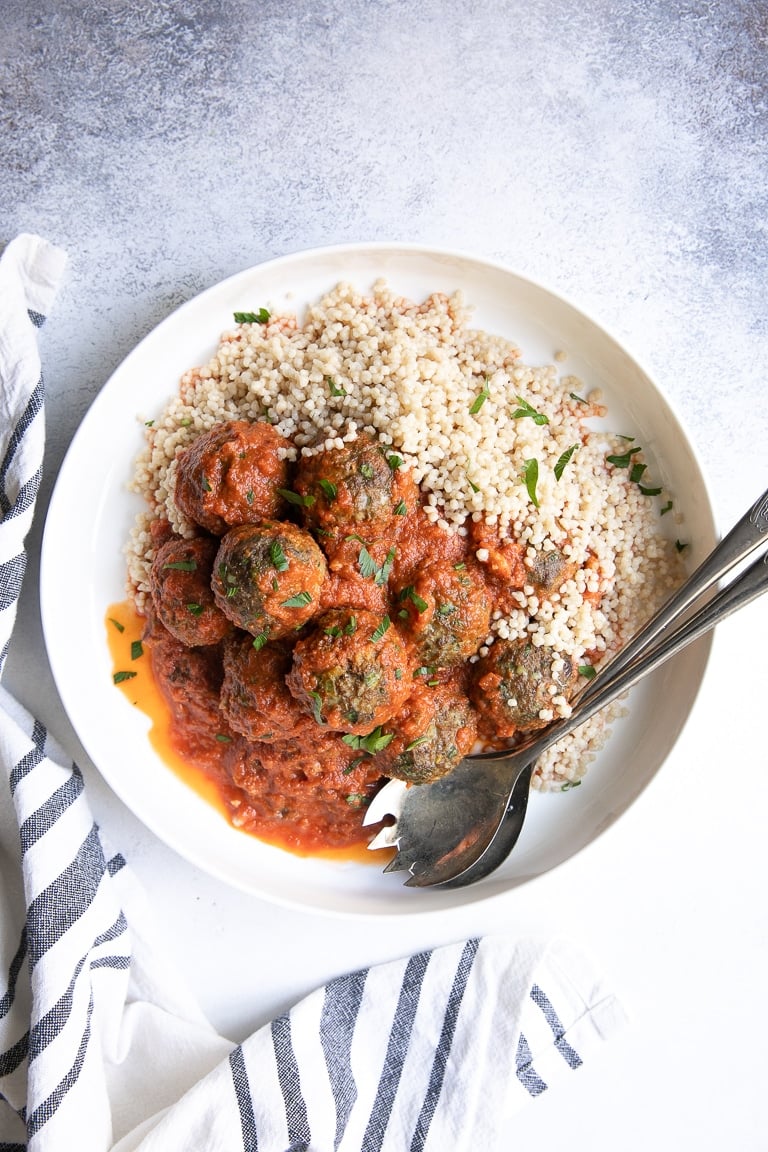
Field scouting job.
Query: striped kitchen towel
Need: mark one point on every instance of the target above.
(102, 1047)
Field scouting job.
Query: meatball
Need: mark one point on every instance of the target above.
(305, 795)
(232, 475)
(352, 672)
(446, 612)
(190, 680)
(254, 696)
(359, 488)
(517, 681)
(549, 571)
(180, 584)
(267, 578)
(434, 730)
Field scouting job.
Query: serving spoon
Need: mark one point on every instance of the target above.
(464, 825)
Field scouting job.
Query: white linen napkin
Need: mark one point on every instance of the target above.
(101, 1048)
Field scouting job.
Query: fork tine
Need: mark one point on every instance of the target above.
(387, 837)
(398, 863)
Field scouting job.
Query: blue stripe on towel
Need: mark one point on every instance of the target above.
(569, 1054)
(244, 1102)
(290, 1084)
(442, 1052)
(341, 1005)
(397, 1050)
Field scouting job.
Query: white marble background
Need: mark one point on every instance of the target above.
(615, 150)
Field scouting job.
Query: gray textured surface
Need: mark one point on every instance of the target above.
(618, 154)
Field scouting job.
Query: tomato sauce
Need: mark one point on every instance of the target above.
(204, 762)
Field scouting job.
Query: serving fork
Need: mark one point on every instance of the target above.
(460, 828)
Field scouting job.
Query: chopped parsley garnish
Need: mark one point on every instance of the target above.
(185, 421)
(181, 565)
(408, 593)
(352, 765)
(329, 489)
(356, 799)
(563, 460)
(120, 627)
(526, 409)
(351, 626)
(624, 460)
(295, 498)
(382, 628)
(148, 423)
(394, 462)
(366, 470)
(260, 640)
(474, 487)
(137, 649)
(119, 677)
(649, 491)
(249, 495)
(480, 399)
(260, 317)
(531, 477)
(372, 743)
(680, 545)
(401, 508)
(223, 738)
(446, 609)
(366, 563)
(569, 784)
(300, 600)
(636, 472)
(399, 672)
(459, 567)
(416, 743)
(578, 399)
(277, 556)
(333, 631)
(317, 704)
(207, 485)
(232, 591)
(334, 388)
(369, 568)
(195, 609)
(587, 671)
(667, 508)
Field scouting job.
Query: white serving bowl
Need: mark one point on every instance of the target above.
(91, 513)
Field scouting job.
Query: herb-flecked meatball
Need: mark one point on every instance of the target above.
(433, 731)
(267, 578)
(446, 613)
(180, 584)
(516, 682)
(352, 672)
(360, 488)
(254, 696)
(232, 475)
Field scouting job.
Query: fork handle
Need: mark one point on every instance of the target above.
(746, 535)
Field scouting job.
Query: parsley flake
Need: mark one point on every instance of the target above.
(119, 677)
(382, 628)
(563, 461)
(260, 317)
(531, 477)
(277, 556)
(300, 600)
(526, 409)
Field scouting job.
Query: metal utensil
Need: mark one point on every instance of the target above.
(458, 829)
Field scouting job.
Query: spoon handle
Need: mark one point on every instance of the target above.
(743, 538)
(745, 588)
